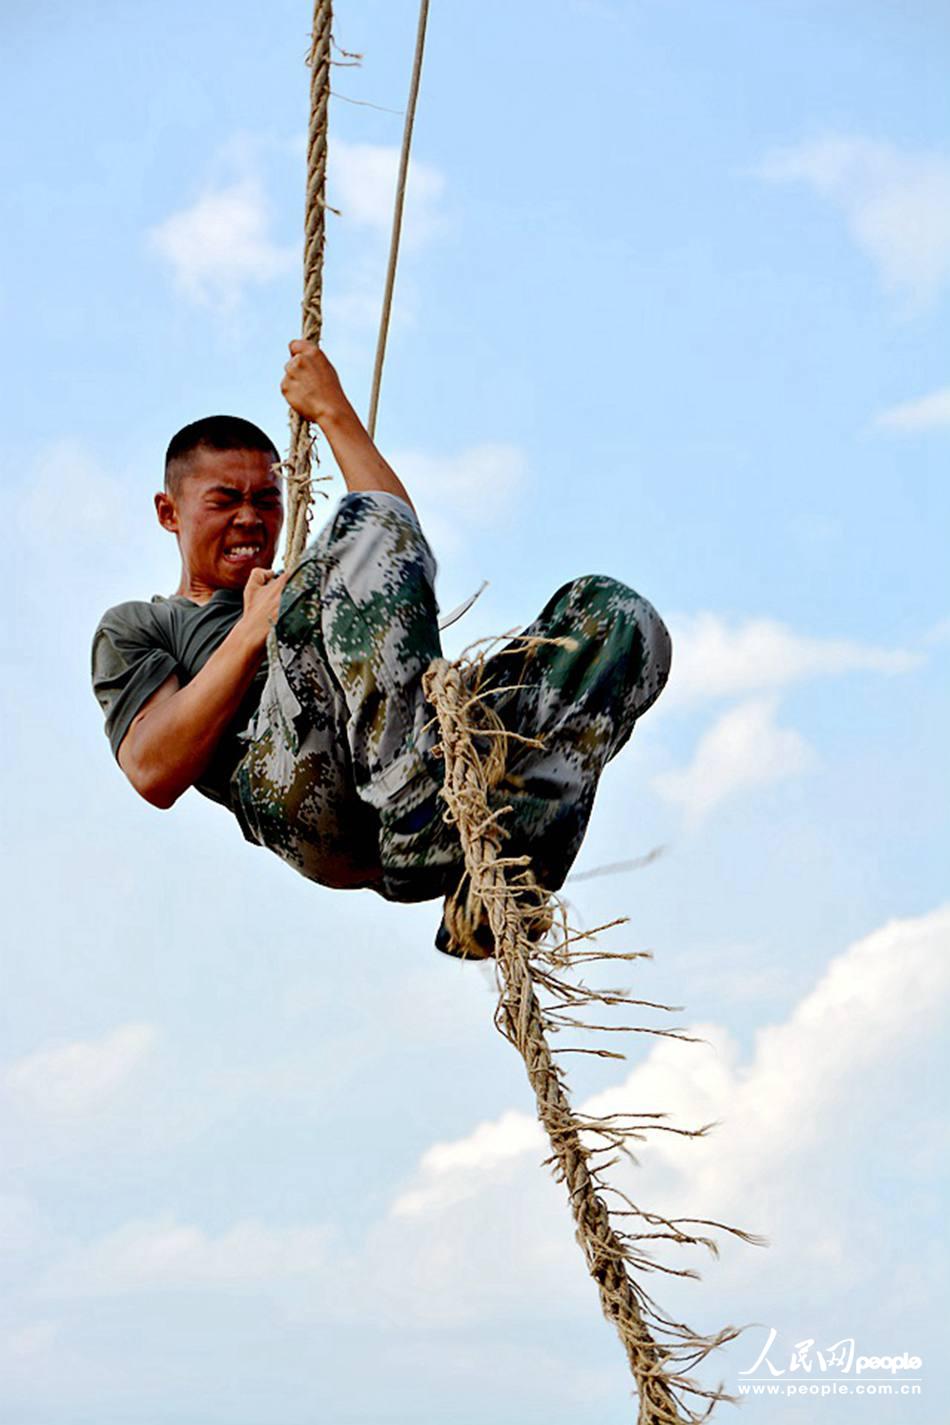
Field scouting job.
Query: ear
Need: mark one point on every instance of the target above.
(167, 512)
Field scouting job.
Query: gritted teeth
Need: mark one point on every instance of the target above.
(244, 551)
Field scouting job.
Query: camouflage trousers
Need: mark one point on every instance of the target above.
(339, 777)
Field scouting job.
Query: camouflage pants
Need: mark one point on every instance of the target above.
(339, 777)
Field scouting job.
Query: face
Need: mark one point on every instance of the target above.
(227, 515)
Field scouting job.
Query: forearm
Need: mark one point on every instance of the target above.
(362, 466)
(173, 740)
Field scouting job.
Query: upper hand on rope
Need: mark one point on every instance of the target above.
(313, 388)
(311, 385)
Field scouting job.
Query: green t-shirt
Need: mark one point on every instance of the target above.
(138, 645)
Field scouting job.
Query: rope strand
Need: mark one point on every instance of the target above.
(302, 453)
(504, 890)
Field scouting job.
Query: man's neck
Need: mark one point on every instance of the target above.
(196, 589)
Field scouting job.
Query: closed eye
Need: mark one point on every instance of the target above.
(222, 498)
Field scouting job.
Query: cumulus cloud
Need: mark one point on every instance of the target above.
(164, 1254)
(938, 632)
(353, 304)
(70, 498)
(28, 1344)
(927, 413)
(88, 525)
(19, 1222)
(79, 1078)
(480, 1211)
(222, 244)
(878, 996)
(476, 488)
(714, 659)
(362, 179)
(896, 204)
(445, 1168)
(774, 1108)
(744, 749)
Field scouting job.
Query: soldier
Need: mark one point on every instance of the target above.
(295, 699)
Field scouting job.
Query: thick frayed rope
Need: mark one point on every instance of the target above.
(536, 1001)
(297, 466)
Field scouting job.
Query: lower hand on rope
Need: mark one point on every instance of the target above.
(261, 604)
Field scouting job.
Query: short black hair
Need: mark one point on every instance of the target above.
(212, 433)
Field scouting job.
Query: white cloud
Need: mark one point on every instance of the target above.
(19, 1222)
(742, 750)
(78, 1078)
(800, 1092)
(480, 1210)
(221, 244)
(27, 1344)
(475, 489)
(87, 525)
(361, 182)
(164, 1254)
(361, 178)
(446, 1168)
(69, 498)
(896, 204)
(928, 413)
(804, 1078)
(712, 659)
(353, 304)
(938, 632)
(745, 748)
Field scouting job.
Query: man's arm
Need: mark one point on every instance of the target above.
(171, 741)
(313, 388)
(173, 738)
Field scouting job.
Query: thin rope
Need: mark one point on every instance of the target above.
(516, 908)
(302, 452)
(397, 217)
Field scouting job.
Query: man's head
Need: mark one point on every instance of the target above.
(223, 501)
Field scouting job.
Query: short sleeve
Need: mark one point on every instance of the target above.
(130, 662)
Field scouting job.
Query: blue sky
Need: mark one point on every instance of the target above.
(672, 306)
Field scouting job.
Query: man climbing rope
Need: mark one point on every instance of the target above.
(323, 749)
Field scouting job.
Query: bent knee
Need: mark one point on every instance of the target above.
(657, 657)
(374, 532)
(617, 603)
(364, 518)
(606, 595)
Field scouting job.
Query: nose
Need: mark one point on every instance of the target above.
(248, 516)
